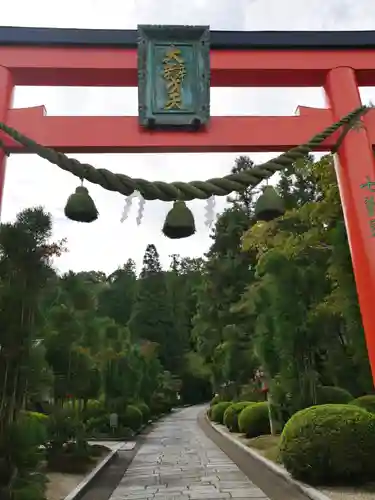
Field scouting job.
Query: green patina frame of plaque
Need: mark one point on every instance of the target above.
(194, 44)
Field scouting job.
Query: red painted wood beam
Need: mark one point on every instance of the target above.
(117, 67)
(117, 134)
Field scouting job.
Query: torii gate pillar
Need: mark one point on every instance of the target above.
(354, 165)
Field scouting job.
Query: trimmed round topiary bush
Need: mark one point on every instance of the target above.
(215, 400)
(41, 417)
(254, 420)
(329, 444)
(231, 414)
(218, 410)
(326, 394)
(132, 418)
(145, 410)
(367, 402)
(94, 409)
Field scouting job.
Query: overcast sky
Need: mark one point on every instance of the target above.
(106, 244)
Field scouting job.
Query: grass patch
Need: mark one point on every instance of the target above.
(267, 446)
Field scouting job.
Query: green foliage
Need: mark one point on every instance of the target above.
(215, 400)
(195, 375)
(301, 305)
(151, 316)
(98, 425)
(221, 334)
(159, 404)
(23, 450)
(26, 253)
(231, 414)
(249, 392)
(116, 298)
(334, 395)
(218, 410)
(367, 402)
(145, 410)
(30, 488)
(329, 444)
(270, 304)
(93, 408)
(254, 420)
(132, 418)
(27, 434)
(40, 417)
(66, 339)
(64, 426)
(67, 447)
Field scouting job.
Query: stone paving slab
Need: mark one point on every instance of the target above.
(177, 461)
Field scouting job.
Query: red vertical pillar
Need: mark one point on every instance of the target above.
(355, 170)
(6, 92)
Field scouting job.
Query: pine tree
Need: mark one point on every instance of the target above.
(151, 262)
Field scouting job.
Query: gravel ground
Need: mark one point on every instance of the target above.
(60, 485)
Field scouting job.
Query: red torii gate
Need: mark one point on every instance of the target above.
(337, 61)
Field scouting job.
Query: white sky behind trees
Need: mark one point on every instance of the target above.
(106, 244)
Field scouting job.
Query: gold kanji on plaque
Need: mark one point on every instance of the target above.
(174, 71)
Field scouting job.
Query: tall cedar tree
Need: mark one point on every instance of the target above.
(116, 299)
(228, 271)
(152, 317)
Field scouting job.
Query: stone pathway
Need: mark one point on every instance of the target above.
(177, 461)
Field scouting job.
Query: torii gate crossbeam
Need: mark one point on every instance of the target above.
(338, 61)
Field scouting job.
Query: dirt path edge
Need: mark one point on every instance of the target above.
(80, 489)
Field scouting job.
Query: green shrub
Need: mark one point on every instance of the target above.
(329, 444)
(217, 411)
(22, 456)
(63, 426)
(29, 487)
(145, 410)
(94, 409)
(98, 425)
(40, 417)
(160, 404)
(231, 414)
(254, 420)
(282, 405)
(326, 394)
(215, 400)
(26, 437)
(132, 418)
(367, 402)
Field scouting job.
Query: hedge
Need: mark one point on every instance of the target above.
(231, 414)
(367, 402)
(218, 410)
(254, 420)
(329, 444)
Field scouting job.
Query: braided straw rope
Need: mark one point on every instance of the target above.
(184, 191)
